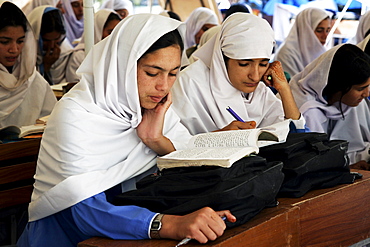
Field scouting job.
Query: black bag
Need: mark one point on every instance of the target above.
(245, 188)
(310, 161)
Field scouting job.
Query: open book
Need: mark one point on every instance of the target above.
(14, 132)
(223, 148)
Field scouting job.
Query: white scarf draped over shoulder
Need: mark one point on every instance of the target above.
(301, 46)
(203, 90)
(90, 143)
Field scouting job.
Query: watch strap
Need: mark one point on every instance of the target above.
(154, 231)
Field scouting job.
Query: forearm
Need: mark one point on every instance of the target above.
(289, 105)
(161, 145)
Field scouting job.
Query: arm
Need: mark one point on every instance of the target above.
(237, 125)
(279, 82)
(150, 130)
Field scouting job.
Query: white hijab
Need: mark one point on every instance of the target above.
(362, 28)
(58, 68)
(73, 26)
(118, 4)
(13, 86)
(203, 90)
(301, 46)
(90, 143)
(364, 42)
(198, 17)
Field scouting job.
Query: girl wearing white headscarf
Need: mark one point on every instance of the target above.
(227, 72)
(24, 94)
(199, 21)
(305, 41)
(104, 22)
(363, 29)
(73, 20)
(105, 134)
(57, 70)
(123, 7)
(329, 90)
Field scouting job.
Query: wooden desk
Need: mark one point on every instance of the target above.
(337, 216)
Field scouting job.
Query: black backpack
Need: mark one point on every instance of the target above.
(247, 187)
(310, 161)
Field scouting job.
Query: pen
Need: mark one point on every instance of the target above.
(234, 114)
(186, 240)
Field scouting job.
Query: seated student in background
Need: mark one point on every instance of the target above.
(123, 7)
(105, 134)
(54, 50)
(73, 20)
(363, 29)
(200, 20)
(228, 72)
(170, 14)
(305, 41)
(329, 90)
(24, 94)
(105, 21)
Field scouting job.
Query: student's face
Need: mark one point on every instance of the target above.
(245, 74)
(77, 7)
(109, 28)
(156, 73)
(199, 34)
(60, 6)
(11, 44)
(322, 30)
(356, 94)
(122, 12)
(52, 39)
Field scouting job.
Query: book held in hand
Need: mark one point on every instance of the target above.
(223, 148)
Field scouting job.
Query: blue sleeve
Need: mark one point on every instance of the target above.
(294, 129)
(97, 217)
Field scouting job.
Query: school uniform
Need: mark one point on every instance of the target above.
(301, 46)
(90, 145)
(203, 91)
(57, 73)
(24, 94)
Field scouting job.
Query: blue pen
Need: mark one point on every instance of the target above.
(186, 240)
(236, 116)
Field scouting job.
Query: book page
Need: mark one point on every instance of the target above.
(231, 138)
(208, 153)
(280, 129)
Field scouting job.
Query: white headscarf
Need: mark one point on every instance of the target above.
(90, 143)
(57, 70)
(118, 4)
(203, 90)
(363, 43)
(302, 46)
(73, 26)
(196, 20)
(13, 86)
(362, 28)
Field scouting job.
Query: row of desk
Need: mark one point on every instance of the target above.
(336, 216)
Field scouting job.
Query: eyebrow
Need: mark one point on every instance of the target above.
(4, 37)
(159, 68)
(252, 60)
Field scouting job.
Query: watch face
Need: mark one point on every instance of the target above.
(156, 225)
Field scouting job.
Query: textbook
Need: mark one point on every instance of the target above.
(14, 132)
(224, 148)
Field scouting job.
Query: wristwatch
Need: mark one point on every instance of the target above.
(156, 226)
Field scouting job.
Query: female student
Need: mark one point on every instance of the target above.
(24, 94)
(123, 7)
(305, 41)
(73, 19)
(227, 73)
(329, 90)
(363, 29)
(200, 20)
(105, 134)
(54, 50)
(104, 22)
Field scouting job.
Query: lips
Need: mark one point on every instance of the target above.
(11, 59)
(156, 99)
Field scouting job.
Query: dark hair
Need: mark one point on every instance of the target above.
(367, 48)
(236, 8)
(111, 17)
(52, 21)
(169, 39)
(350, 66)
(367, 33)
(173, 15)
(11, 15)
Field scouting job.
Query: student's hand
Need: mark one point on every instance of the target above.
(361, 165)
(202, 225)
(51, 56)
(237, 125)
(150, 129)
(275, 77)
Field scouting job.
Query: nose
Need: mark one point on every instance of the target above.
(14, 47)
(366, 93)
(163, 83)
(254, 74)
